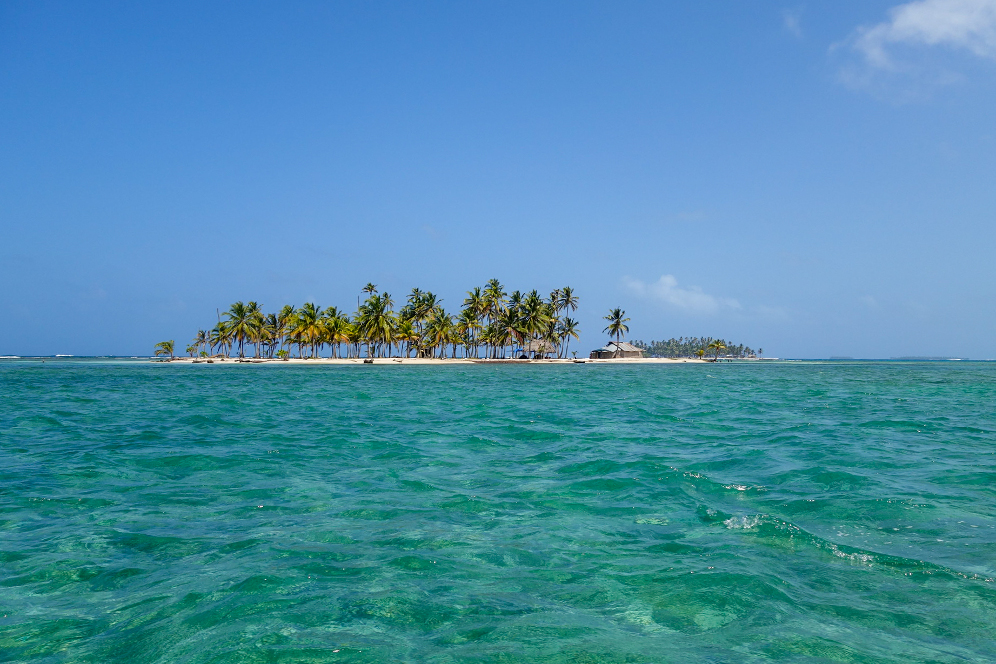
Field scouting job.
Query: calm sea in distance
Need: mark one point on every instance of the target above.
(743, 512)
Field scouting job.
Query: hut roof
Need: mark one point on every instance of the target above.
(623, 346)
(539, 346)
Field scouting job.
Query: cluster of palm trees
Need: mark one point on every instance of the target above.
(697, 347)
(490, 323)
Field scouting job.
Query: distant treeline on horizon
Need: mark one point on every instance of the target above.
(696, 347)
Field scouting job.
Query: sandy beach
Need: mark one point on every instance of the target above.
(425, 360)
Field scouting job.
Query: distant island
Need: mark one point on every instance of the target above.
(697, 347)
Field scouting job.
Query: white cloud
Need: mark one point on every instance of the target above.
(691, 299)
(958, 24)
(791, 21)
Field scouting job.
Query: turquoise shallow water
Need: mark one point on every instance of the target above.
(806, 512)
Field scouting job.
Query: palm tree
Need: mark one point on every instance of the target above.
(555, 300)
(221, 336)
(202, 339)
(568, 301)
(617, 323)
(293, 336)
(164, 348)
(328, 321)
(351, 337)
(474, 301)
(268, 333)
(568, 329)
(493, 337)
(255, 325)
(406, 334)
(428, 305)
(535, 317)
(285, 321)
(473, 311)
(467, 326)
(376, 322)
(439, 331)
(309, 326)
(411, 304)
(716, 347)
(508, 323)
(494, 300)
(335, 331)
(551, 338)
(240, 324)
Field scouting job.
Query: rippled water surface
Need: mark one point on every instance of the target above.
(804, 512)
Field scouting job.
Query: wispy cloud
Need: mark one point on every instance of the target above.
(914, 30)
(691, 299)
(959, 24)
(792, 22)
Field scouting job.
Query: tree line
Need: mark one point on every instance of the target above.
(696, 347)
(489, 323)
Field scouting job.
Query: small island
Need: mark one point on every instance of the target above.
(491, 326)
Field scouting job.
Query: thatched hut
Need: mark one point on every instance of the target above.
(616, 349)
(540, 349)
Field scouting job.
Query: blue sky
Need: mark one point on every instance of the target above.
(812, 178)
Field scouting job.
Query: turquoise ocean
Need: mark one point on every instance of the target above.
(742, 512)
